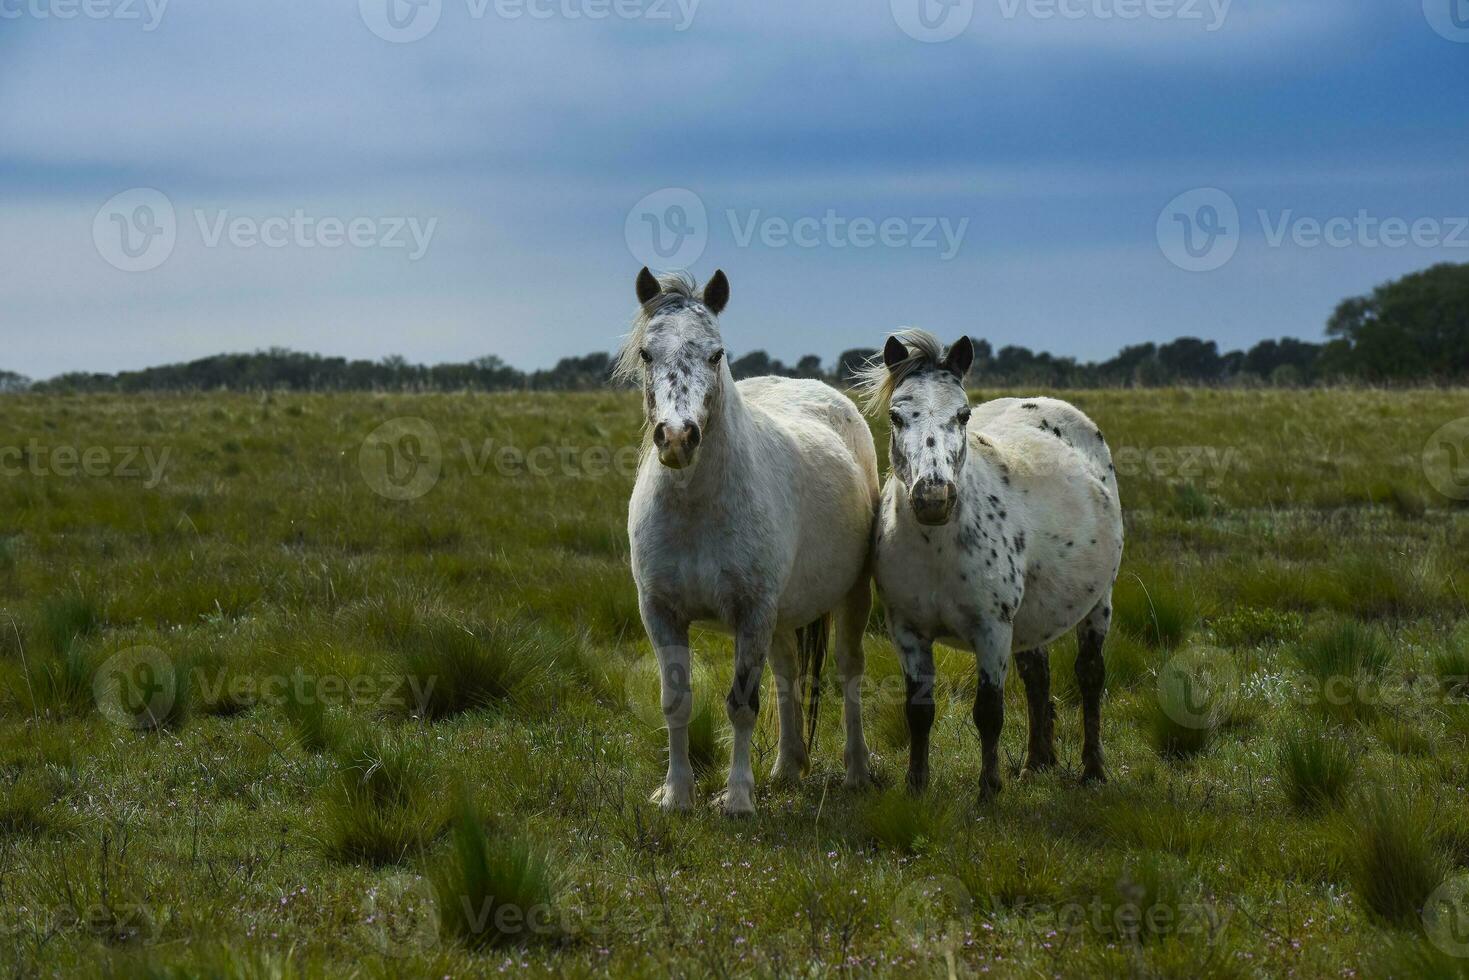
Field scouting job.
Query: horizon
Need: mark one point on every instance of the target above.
(434, 186)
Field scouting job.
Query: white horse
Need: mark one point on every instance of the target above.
(752, 513)
(999, 530)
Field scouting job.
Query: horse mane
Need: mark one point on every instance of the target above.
(678, 291)
(875, 382)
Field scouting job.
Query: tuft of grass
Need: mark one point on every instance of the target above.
(57, 684)
(452, 668)
(1417, 958)
(902, 822)
(493, 892)
(381, 807)
(64, 620)
(25, 803)
(215, 687)
(1345, 662)
(1153, 885)
(1191, 503)
(1390, 853)
(1405, 736)
(1317, 768)
(1253, 626)
(1196, 695)
(1406, 501)
(316, 729)
(1159, 612)
(1451, 667)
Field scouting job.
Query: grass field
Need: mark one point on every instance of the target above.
(276, 702)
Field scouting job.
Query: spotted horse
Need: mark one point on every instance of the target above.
(999, 530)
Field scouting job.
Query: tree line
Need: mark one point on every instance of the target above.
(1411, 331)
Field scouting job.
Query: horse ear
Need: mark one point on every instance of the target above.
(961, 357)
(716, 292)
(647, 286)
(895, 353)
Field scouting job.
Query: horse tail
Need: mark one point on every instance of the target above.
(812, 642)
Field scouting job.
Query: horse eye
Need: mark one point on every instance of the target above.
(896, 419)
(647, 358)
(715, 357)
(964, 416)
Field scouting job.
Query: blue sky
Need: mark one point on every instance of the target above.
(483, 186)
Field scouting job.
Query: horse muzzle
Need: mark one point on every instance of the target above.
(676, 443)
(933, 501)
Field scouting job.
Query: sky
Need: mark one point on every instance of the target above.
(447, 179)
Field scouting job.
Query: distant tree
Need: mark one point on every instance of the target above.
(10, 382)
(810, 367)
(1190, 359)
(756, 364)
(1268, 356)
(852, 360)
(1414, 327)
(984, 356)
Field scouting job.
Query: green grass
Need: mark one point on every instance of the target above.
(493, 891)
(1391, 853)
(1317, 768)
(294, 811)
(384, 804)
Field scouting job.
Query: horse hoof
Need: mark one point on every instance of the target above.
(989, 787)
(859, 781)
(735, 802)
(1093, 777)
(788, 774)
(670, 798)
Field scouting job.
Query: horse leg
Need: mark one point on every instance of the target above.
(992, 657)
(1091, 675)
(752, 646)
(670, 638)
(1035, 670)
(915, 652)
(851, 625)
(791, 758)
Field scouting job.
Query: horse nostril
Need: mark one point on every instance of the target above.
(660, 434)
(693, 437)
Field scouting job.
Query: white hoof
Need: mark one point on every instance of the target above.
(737, 801)
(788, 772)
(670, 797)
